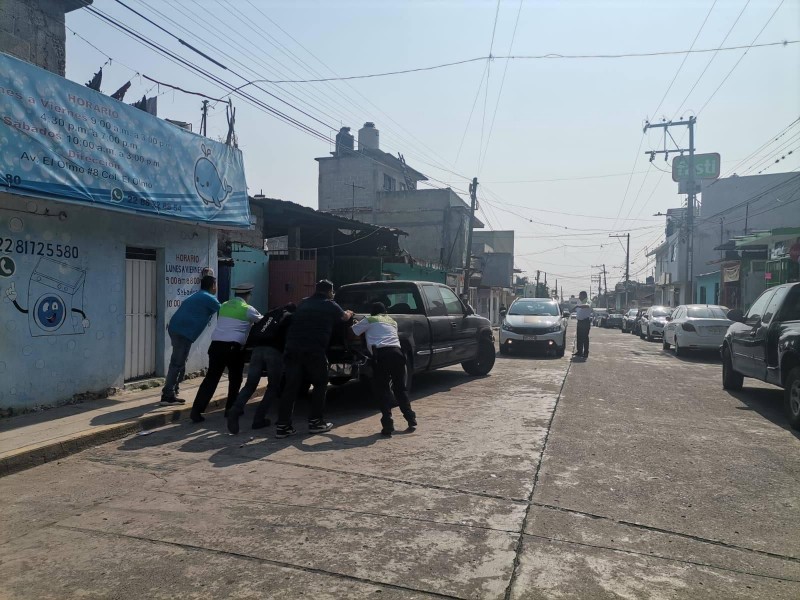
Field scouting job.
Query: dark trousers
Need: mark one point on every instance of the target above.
(301, 368)
(584, 325)
(390, 367)
(220, 355)
(263, 358)
(177, 365)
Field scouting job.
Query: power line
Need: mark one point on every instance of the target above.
(500, 92)
(549, 56)
(721, 83)
(486, 92)
(700, 78)
(685, 58)
(769, 142)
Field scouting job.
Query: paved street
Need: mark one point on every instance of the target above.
(630, 475)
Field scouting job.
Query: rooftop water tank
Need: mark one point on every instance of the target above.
(368, 137)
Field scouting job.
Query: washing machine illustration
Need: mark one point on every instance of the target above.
(55, 299)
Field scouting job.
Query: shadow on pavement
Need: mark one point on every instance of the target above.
(767, 402)
(704, 357)
(346, 404)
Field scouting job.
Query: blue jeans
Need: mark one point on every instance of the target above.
(177, 365)
(262, 359)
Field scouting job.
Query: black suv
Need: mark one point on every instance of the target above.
(765, 344)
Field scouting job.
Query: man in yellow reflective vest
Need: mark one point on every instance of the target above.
(234, 321)
(389, 366)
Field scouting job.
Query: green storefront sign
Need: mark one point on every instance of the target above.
(706, 166)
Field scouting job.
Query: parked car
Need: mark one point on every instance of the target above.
(435, 327)
(653, 321)
(696, 327)
(599, 316)
(765, 344)
(628, 320)
(534, 323)
(614, 321)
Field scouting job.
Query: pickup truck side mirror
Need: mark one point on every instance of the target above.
(736, 315)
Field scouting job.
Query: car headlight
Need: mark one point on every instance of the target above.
(554, 329)
(506, 327)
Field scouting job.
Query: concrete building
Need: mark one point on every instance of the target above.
(98, 246)
(670, 257)
(33, 31)
(373, 186)
(493, 257)
(734, 207)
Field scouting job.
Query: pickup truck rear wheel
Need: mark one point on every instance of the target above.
(731, 380)
(791, 394)
(482, 363)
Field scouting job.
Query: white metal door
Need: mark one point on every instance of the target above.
(140, 316)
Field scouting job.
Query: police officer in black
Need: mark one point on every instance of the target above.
(305, 357)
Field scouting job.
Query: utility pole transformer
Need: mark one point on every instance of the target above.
(688, 296)
(473, 195)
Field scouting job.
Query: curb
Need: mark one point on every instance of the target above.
(27, 458)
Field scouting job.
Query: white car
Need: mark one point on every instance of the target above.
(536, 323)
(696, 327)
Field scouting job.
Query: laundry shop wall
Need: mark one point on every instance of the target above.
(69, 274)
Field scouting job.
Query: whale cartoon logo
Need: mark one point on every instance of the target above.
(210, 186)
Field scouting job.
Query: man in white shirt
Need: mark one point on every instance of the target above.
(584, 316)
(389, 366)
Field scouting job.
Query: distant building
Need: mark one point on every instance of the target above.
(493, 261)
(33, 31)
(373, 186)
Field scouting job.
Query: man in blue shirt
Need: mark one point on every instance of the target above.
(186, 325)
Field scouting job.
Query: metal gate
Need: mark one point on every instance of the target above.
(140, 313)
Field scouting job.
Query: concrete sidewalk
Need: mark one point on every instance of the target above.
(36, 438)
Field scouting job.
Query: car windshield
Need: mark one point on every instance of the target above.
(661, 312)
(535, 308)
(706, 312)
(398, 300)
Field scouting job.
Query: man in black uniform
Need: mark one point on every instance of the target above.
(268, 340)
(305, 360)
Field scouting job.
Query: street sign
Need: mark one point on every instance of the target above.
(706, 166)
(7, 266)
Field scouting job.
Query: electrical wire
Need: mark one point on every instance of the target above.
(549, 56)
(721, 83)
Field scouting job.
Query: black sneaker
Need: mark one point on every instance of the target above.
(261, 424)
(174, 401)
(412, 424)
(233, 420)
(283, 431)
(387, 432)
(319, 426)
(196, 417)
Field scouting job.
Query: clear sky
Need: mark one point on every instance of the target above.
(568, 119)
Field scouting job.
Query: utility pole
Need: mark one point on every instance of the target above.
(688, 297)
(601, 281)
(204, 119)
(473, 196)
(627, 261)
(537, 284)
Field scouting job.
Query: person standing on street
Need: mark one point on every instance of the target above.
(304, 359)
(389, 366)
(268, 340)
(583, 314)
(189, 321)
(235, 319)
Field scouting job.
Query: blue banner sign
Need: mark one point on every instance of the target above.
(64, 141)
